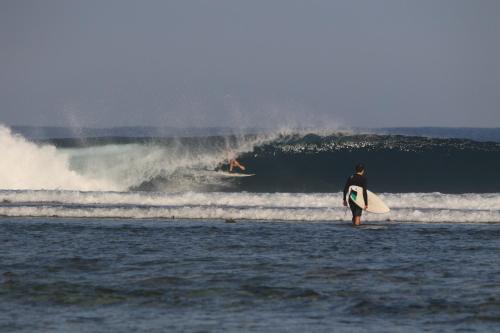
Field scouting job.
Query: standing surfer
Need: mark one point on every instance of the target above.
(357, 179)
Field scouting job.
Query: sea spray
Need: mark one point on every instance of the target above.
(168, 166)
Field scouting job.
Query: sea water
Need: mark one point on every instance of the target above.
(129, 233)
(126, 275)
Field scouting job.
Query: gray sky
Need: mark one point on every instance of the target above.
(250, 63)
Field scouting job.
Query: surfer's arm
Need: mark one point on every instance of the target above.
(346, 188)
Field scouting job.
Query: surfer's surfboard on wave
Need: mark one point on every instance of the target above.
(234, 174)
(375, 204)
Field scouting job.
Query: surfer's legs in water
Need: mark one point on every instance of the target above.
(356, 220)
(235, 164)
(356, 213)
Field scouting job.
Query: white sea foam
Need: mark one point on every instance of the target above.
(411, 207)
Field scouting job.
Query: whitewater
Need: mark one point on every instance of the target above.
(405, 207)
(176, 178)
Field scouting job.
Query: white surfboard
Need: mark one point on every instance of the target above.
(234, 174)
(375, 204)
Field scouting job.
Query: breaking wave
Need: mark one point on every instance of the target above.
(282, 162)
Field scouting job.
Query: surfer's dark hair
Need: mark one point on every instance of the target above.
(359, 167)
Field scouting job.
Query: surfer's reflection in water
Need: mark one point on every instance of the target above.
(357, 179)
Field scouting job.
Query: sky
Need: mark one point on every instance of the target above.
(259, 63)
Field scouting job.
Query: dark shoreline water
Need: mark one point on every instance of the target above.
(192, 275)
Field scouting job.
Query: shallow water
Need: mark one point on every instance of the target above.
(121, 275)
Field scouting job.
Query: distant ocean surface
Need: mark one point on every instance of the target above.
(124, 230)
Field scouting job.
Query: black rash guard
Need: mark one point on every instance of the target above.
(357, 180)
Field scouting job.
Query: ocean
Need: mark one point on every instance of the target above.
(130, 231)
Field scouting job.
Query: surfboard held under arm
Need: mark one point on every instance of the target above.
(375, 204)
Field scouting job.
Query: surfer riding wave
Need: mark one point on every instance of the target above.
(232, 164)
